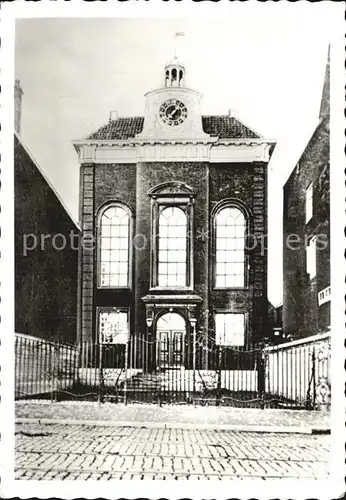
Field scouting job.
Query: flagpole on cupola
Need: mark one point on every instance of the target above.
(174, 70)
(177, 34)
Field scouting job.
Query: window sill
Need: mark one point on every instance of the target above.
(101, 287)
(231, 289)
(171, 289)
(230, 346)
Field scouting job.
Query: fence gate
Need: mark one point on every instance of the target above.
(164, 371)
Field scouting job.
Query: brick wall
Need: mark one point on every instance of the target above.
(301, 314)
(87, 252)
(194, 174)
(101, 184)
(46, 278)
(246, 183)
(211, 183)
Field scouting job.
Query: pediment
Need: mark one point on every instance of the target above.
(173, 187)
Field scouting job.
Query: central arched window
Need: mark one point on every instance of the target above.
(171, 262)
(172, 247)
(114, 247)
(230, 232)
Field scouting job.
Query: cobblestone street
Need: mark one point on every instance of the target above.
(60, 451)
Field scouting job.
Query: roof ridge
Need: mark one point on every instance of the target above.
(224, 126)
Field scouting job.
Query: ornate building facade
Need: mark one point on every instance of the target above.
(174, 206)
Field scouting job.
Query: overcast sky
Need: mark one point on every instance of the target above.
(268, 68)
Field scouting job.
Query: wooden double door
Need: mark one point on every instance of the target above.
(170, 340)
(171, 348)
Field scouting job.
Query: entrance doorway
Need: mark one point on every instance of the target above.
(170, 335)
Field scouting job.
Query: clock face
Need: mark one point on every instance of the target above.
(173, 112)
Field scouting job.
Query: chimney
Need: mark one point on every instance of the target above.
(18, 92)
(232, 113)
(113, 115)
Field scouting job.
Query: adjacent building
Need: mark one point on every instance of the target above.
(174, 205)
(306, 233)
(46, 263)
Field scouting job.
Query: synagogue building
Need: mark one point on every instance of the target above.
(174, 205)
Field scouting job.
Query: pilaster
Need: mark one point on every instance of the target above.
(87, 249)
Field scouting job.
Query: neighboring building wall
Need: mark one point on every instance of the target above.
(45, 279)
(274, 323)
(302, 314)
(18, 95)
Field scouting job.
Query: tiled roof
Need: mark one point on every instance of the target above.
(119, 129)
(224, 127)
(227, 127)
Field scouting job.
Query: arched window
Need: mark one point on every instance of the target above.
(230, 232)
(180, 77)
(172, 262)
(114, 247)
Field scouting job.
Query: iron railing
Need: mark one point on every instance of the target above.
(143, 370)
(295, 371)
(43, 369)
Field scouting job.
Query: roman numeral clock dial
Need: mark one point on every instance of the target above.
(173, 112)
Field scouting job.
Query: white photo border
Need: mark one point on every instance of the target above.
(284, 488)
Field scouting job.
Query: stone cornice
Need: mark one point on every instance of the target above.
(213, 141)
(135, 150)
(171, 299)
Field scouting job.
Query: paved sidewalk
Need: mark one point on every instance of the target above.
(242, 419)
(59, 451)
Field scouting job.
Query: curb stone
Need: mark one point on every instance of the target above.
(183, 425)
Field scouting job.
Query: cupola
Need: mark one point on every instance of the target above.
(174, 74)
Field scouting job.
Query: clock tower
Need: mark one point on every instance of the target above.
(173, 112)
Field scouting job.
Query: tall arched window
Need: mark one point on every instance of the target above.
(114, 247)
(172, 261)
(230, 232)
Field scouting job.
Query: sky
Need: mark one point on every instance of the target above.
(268, 68)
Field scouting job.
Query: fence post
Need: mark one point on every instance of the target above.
(314, 377)
(55, 374)
(218, 386)
(261, 377)
(193, 323)
(58, 348)
(310, 403)
(77, 362)
(51, 373)
(128, 340)
(100, 388)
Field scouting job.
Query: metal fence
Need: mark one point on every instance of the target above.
(146, 371)
(43, 369)
(300, 371)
